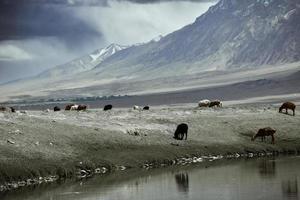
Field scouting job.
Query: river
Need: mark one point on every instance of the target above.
(253, 179)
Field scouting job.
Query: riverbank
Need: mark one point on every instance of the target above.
(63, 144)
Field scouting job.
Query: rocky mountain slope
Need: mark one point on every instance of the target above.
(232, 34)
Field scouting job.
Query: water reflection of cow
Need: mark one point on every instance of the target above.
(267, 168)
(290, 188)
(182, 181)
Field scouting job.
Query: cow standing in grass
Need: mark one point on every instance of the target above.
(286, 106)
(56, 108)
(146, 108)
(107, 107)
(68, 107)
(263, 132)
(81, 107)
(204, 103)
(181, 130)
(216, 103)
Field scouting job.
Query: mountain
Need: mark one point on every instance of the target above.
(234, 41)
(232, 34)
(84, 63)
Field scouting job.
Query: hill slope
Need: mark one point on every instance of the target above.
(231, 34)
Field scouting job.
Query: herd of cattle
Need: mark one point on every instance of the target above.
(182, 129)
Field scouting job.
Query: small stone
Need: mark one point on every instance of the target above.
(10, 142)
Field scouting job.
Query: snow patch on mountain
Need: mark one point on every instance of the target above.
(84, 63)
(102, 54)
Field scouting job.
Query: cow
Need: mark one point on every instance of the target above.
(56, 108)
(7, 109)
(204, 103)
(74, 107)
(214, 103)
(286, 106)
(68, 107)
(3, 109)
(263, 132)
(12, 109)
(107, 107)
(81, 107)
(135, 107)
(181, 130)
(146, 108)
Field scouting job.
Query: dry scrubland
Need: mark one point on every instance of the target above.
(40, 143)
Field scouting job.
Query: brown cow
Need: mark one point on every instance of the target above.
(286, 106)
(7, 109)
(81, 107)
(214, 103)
(263, 132)
(68, 107)
(4, 109)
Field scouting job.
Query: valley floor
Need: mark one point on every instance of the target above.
(59, 143)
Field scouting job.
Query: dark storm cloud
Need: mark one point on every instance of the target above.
(39, 34)
(26, 21)
(89, 2)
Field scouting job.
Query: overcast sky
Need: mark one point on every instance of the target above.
(39, 34)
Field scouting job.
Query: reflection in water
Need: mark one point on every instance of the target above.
(290, 188)
(267, 168)
(247, 179)
(182, 181)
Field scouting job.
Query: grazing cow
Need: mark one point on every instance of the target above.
(204, 103)
(82, 107)
(74, 107)
(146, 108)
(68, 107)
(286, 106)
(107, 107)
(263, 132)
(181, 130)
(12, 109)
(214, 103)
(3, 109)
(135, 107)
(56, 108)
(7, 109)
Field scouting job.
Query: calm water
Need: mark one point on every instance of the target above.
(265, 178)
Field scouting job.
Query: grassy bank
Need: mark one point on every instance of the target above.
(41, 144)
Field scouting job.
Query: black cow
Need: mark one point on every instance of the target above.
(13, 109)
(107, 107)
(146, 108)
(181, 130)
(56, 108)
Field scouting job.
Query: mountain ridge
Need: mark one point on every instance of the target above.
(231, 36)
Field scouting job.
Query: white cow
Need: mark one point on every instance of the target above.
(74, 107)
(135, 107)
(204, 103)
